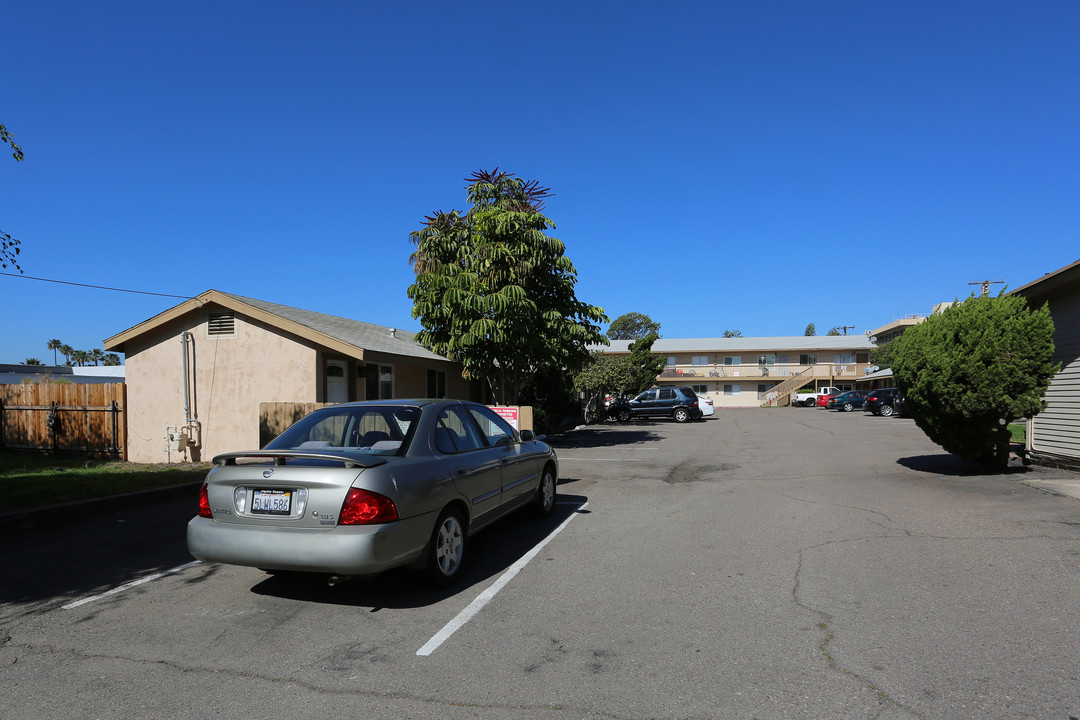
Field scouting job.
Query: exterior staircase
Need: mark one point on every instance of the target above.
(781, 394)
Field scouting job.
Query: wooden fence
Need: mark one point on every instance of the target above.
(276, 417)
(71, 417)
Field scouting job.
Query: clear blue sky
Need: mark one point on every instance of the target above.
(715, 165)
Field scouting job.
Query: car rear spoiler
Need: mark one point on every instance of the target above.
(281, 457)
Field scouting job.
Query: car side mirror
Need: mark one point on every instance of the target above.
(527, 436)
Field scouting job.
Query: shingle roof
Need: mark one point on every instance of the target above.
(354, 332)
(351, 337)
(747, 344)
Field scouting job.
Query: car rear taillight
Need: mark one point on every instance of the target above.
(204, 502)
(362, 507)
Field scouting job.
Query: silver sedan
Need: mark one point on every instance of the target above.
(359, 488)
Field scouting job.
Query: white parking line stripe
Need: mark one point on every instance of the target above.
(476, 605)
(133, 583)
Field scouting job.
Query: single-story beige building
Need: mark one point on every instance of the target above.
(1054, 434)
(197, 373)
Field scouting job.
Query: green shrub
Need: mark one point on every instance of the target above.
(970, 370)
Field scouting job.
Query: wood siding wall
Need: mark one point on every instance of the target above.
(1056, 430)
(88, 418)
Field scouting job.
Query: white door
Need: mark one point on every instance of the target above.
(337, 385)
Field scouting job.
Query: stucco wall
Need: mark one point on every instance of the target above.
(747, 397)
(410, 377)
(232, 375)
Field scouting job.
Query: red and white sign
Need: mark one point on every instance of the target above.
(509, 414)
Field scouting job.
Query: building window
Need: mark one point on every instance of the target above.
(380, 381)
(766, 359)
(844, 358)
(436, 383)
(810, 359)
(699, 389)
(221, 324)
(699, 360)
(733, 360)
(671, 360)
(732, 389)
(761, 390)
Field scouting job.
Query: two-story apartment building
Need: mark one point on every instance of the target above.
(751, 371)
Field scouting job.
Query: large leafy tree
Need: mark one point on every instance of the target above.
(632, 326)
(9, 246)
(969, 371)
(811, 330)
(495, 292)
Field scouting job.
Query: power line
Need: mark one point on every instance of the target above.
(97, 287)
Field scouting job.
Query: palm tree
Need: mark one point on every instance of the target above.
(31, 361)
(67, 351)
(80, 357)
(54, 345)
(97, 355)
(111, 359)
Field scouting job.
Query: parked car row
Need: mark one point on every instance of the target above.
(885, 401)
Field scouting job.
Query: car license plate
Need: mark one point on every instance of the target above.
(271, 502)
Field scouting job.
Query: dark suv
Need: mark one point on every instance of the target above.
(883, 401)
(679, 403)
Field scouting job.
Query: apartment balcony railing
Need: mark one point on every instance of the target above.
(694, 373)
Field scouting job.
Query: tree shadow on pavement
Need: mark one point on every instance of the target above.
(951, 465)
(603, 436)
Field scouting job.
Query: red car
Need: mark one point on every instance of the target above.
(823, 400)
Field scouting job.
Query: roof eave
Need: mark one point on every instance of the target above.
(116, 342)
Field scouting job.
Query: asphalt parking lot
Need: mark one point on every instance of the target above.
(790, 563)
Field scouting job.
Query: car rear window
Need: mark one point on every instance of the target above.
(371, 430)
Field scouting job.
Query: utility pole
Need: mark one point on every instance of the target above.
(986, 285)
(845, 328)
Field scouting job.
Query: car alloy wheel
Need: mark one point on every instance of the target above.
(886, 410)
(447, 548)
(848, 407)
(622, 415)
(544, 500)
(681, 415)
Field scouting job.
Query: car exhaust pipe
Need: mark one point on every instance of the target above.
(335, 580)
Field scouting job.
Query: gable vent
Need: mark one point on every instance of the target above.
(221, 323)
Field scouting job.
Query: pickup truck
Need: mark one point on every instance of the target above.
(809, 399)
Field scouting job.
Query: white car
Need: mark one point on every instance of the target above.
(705, 405)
